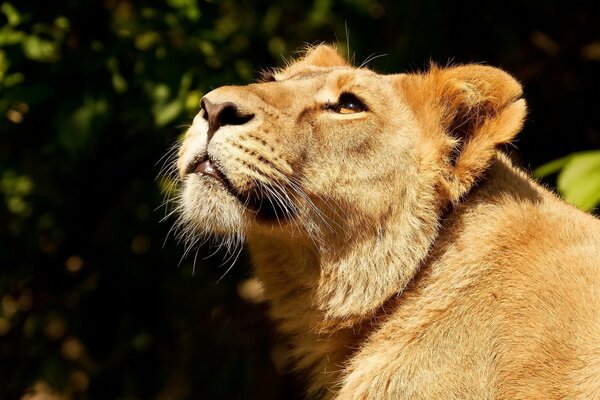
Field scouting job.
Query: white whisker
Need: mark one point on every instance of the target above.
(370, 58)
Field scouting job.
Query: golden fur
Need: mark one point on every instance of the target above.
(403, 255)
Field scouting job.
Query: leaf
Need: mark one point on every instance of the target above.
(551, 167)
(3, 65)
(189, 8)
(11, 13)
(118, 81)
(10, 36)
(40, 50)
(166, 111)
(579, 180)
(77, 124)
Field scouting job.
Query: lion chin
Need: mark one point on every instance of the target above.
(402, 254)
(212, 212)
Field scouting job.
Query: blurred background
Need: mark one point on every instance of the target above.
(96, 301)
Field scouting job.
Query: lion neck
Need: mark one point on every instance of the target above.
(355, 273)
(333, 295)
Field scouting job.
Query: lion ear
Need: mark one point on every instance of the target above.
(324, 56)
(476, 108)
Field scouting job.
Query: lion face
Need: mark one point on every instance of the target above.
(315, 149)
(337, 154)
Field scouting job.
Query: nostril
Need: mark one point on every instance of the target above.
(218, 115)
(231, 115)
(204, 108)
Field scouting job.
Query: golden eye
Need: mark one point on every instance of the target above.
(349, 104)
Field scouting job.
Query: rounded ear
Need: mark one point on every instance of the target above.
(470, 95)
(474, 108)
(324, 56)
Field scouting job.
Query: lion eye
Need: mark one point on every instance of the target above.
(349, 104)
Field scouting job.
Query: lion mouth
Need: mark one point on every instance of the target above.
(262, 201)
(207, 167)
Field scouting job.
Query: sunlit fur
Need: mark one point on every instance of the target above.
(409, 258)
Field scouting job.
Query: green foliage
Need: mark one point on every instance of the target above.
(578, 178)
(15, 189)
(94, 93)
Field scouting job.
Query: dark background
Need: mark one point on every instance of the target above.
(93, 94)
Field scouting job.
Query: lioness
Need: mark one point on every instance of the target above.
(403, 255)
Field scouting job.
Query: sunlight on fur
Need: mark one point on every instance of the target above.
(402, 254)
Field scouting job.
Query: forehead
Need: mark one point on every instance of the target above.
(340, 77)
(304, 71)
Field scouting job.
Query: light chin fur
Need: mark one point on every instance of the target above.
(209, 210)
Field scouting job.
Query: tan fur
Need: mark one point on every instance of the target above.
(414, 261)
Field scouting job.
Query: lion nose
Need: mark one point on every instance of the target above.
(222, 114)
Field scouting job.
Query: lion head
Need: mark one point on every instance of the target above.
(351, 166)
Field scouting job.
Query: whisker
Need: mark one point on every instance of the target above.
(194, 261)
(188, 248)
(370, 58)
(231, 265)
(168, 160)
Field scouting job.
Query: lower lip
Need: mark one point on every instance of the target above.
(207, 168)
